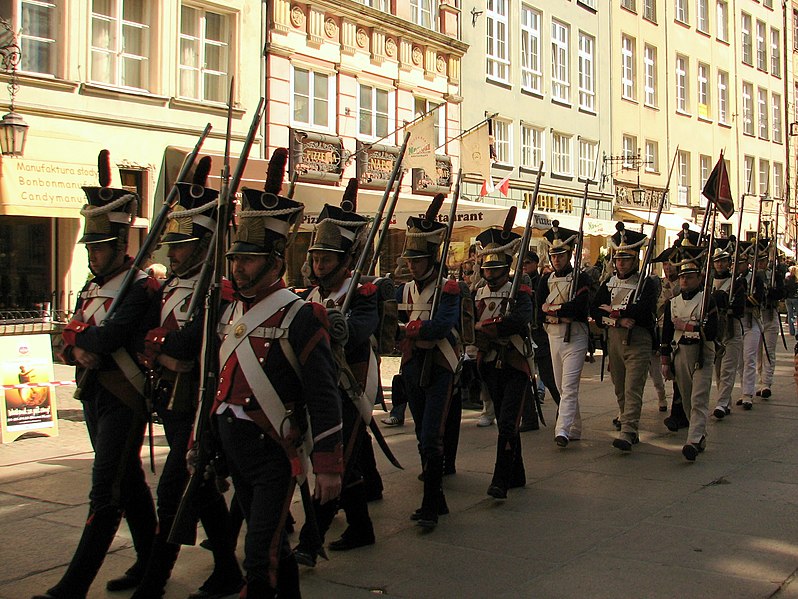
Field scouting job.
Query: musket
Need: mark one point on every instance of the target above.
(524, 242)
(184, 528)
(147, 247)
(580, 242)
(292, 185)
(702, 315)
(426, 367)
(735, 261)
(385, 225)
(775, 242)
(756, 252)
(652, 242)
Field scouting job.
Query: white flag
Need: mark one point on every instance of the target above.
(420, 152)
(475, 152)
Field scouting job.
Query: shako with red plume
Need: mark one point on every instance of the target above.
(194, 217)
(110, 210)
(425, 233)
(339, 228)
(496, 248)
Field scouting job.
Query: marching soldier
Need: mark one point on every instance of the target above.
(631, 335)
(752, 325)
(170, 352)
(688, 346)
(276, 369)
(430, 352)
(336, 245)
(731, 308)
(504, 351)
(769, 311)
(111, 390)
(566, 326)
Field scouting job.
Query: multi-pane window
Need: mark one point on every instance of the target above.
(681, 11)
(767, 3)
(682, 104)
(629, 5)
(37, 37)
(778, 180)
(587, 158)
(761, 46)
(560, 77)
(373, 112)
(561, 154)
(723, 97)
(532, 146)
(587, 84)
(702, 16)
(629, 151)
(652, 156)
(703, 90)
(383, 5)
(683, 177)
(628, 67)
(422, 13)
(795, 29)
(764, 177)
(748, 168)
(498, 62)
(705, 164)
(650, 10)
(650, 65)
(748, 108)
(775, 52)
(503, 141)
(531, 73)
(775, 102)
(120, 43)
(762, 106)
(423, 106)
(722, 19)
(310, 98)
(745, 38)
(204, 54)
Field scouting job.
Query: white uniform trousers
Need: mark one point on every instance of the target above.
(752, 335)
(770, 330)
(726, 367)
(567, 360)
(695, 385)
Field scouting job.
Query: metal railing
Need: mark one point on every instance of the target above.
(26, 322)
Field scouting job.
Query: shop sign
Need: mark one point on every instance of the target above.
(46, 184)
(548, 202)
(316, 157)
(375, 163)
(440, 183)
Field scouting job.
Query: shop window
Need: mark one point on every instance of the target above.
(25, 264)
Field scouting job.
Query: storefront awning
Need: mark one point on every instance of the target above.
(669, 221)
(543, 220)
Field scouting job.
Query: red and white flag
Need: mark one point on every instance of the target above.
(487, 186)
(504, 186)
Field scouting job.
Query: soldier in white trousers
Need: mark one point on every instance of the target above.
(752, 328)
(774, 292)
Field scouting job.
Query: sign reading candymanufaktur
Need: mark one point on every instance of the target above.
(44, 184)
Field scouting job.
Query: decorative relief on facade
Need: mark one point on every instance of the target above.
(297, 17)
(454, 69)
(282, 15)
(330, 29)
(406, 54)
(377, 46)
(316, 29)
(362, 38)
(417, 56)
(348, 37)
(430, 61)
(440, 64)
(390, 48)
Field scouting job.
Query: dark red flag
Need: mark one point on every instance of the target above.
(718, 189)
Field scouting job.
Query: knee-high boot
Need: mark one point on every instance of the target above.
(433, 492)
(98, 533)
(517, 472)
(359, 531)
(226, 577)
(163, 556)
(505, 452)
(142, 522)
(324, 517)
(288, 579)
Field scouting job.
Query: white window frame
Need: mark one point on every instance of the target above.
(681, 13)
(383, 5)
(652, 156)
(775, 52)
(704, 168)
(722, 20)
(702, 16)
(748, 108)
(775, 106)
(424, 13)
(560, 61)
(201, 74)
(503, 141)
(561, 154)
(312, 84)
(588, 155)
(683, 177)
(761, 46)
(390, 111)
(703, 91)
(497, 37)
(762, 112)
(748, 173)
(778, 180)
(32, 44)
(533, 146)
(531, 66)
(628, 68)
(629, 151)
(650, 66)
(650, 10)
(746, 41)
(723, 97)
(587, 76)
(629, 5)
(682, 80)
(764, 177)
(115, 50)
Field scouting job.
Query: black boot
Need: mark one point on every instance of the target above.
(98, 533)
(163, 556)
(433, 492)
(677, 419)
(529, 414)
(368, 466)
(287, 580)
(505, 452)
(258, 589)
(451, 435)
(517, 472)
(360, 531)
(142, 522)
(306, 552)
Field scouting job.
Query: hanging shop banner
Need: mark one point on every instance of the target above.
(28, 393)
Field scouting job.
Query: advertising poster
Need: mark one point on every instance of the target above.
(29, 399)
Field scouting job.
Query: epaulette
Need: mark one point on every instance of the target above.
(526, 289)
(320, 312)
(152, 285)
(367, 289)
(228, 292)
(451, 287)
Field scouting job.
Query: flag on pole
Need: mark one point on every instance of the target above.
(717, 189)
(475, 152)
(504, 186)
(487, 186)
(420, 152)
